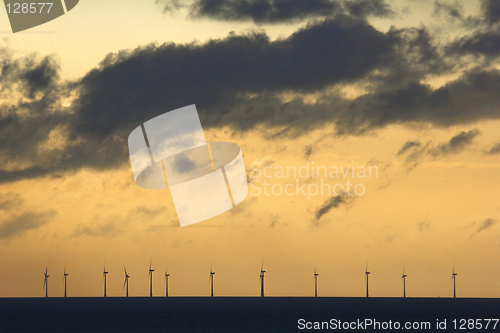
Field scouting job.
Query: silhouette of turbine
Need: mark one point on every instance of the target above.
(453, 277)
(46, 283)
(315, 283)
(404, 281)
(212, 273)
(366, 278)
(126, 280)
(150, 279)
(65, 277)
(166, 282)
(104, 274)
(262, 271)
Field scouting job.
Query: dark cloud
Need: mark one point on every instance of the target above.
(491, 11)
(486, 224)
(236, 82)
(457, 144)
(276, 11)
(132, 87)
(365, 8)
(495, 150)
(486, 43)
(16, 226)
(41, 76)
(308, 151)
(485, 38)
(473, 97)
(328, 205)
(408, 145)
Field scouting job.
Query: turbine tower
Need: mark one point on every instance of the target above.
(315, 283)
(46, 283)
(366, 278)
(126, 280)
(150, 280)
(262, 271)
(104, 273)
(212, 273)
(65, 277)
(404, 281)
(166, 282)
(453, 277)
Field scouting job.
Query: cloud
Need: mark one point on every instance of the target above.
(408, 145)
(183, 165)
(107, 229)
(41, 76)
(218, 76)
(484, 43)
(486, 224)
(495, 150)
(308, 150)
(18, 225)
(328, 205)
(484, 40)
(424, 225)
(491, 11)
(276, 11)
(456, 145)
(10, 200)
(454, 11)
(236, 82)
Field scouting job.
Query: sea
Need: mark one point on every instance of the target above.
(249, 314)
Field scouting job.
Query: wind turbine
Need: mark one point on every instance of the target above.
(150, 280)
(46, 283)
(262, 271)
(166, 282)
(404, 281)
(65, 276)
(366, 278)
(126, 280)
(212, 273)
(104, 273)
(315, 283)
(453, 277)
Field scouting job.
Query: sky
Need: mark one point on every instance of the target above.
(405, 93)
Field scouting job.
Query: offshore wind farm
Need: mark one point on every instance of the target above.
(212, 312)
(453, 290)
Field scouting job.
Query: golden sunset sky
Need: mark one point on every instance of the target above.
(410, 88)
